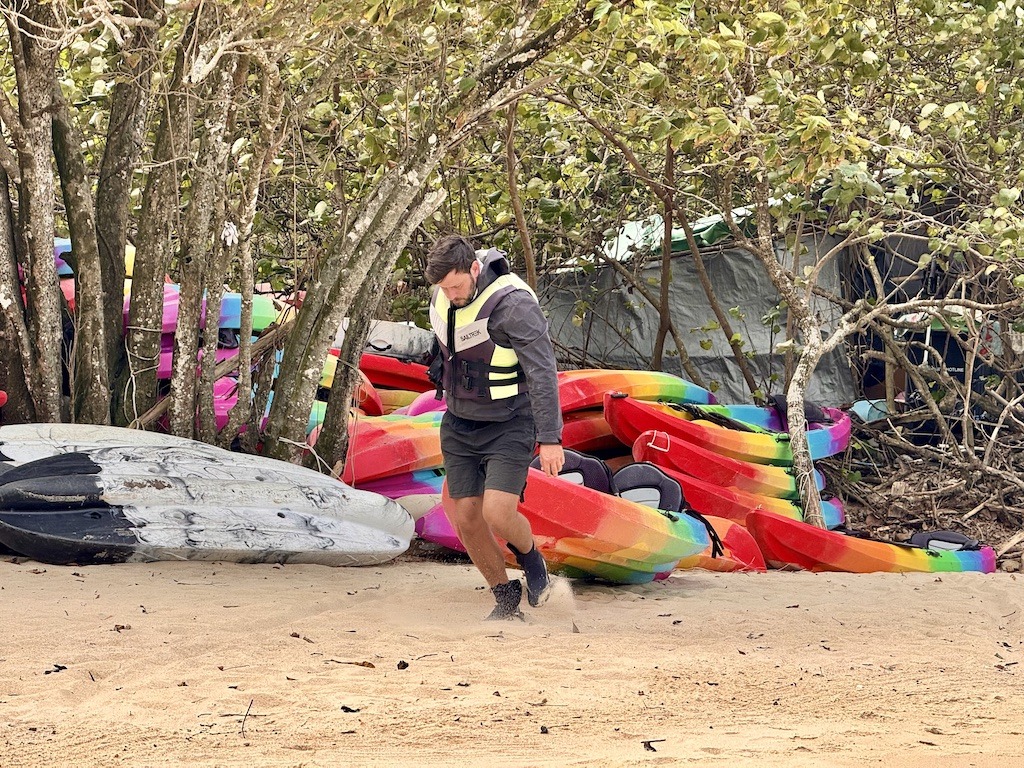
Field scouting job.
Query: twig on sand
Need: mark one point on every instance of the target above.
(649, 742)
(247, 709)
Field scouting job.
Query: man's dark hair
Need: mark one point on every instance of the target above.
(453, 252)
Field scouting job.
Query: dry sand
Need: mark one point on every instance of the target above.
(240, 665)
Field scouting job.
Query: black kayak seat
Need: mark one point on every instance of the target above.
(943, 541)
(584, 470)
(813, 412)
(646, 484)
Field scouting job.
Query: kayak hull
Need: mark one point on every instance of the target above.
(582, 389)
(790, 543)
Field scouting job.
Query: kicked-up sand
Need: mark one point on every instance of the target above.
(210, 664)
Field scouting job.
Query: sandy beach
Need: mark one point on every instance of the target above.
(236, 665)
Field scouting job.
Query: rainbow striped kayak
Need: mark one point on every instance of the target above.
(166, 360)
(425, 402)
(381, 446)
(581, 528)
(570, 551)
(421, 482)
(823, 439)
(715, 500)
(787, 542)
(586, 388)
(435, 527)
(366, 397)
(741, 551)
(665, 451)
(680, 423)
(393, 399)
(264, 312)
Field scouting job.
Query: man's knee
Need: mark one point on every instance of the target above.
(464, 512)
(499, 507)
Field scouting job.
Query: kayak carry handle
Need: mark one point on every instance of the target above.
(652, 443)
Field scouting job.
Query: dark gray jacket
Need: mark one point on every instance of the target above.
(518, 322)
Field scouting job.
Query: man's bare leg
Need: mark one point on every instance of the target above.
(500, 510)
(466, 516)
(477, 520)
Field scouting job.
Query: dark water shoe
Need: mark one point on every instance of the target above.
(506, 598)
(538, 586)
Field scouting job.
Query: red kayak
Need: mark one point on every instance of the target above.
(715, 500)
(658, 448)
(587, 431)
(755, 447)
(394, 373)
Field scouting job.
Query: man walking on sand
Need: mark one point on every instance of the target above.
(501, 389)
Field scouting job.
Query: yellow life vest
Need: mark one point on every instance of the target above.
(475, 366)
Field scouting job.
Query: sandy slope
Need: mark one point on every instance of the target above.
(211, 664)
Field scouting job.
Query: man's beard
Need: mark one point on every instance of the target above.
(466, 302)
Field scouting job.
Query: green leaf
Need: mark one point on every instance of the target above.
(1006, 197)
(601, 9)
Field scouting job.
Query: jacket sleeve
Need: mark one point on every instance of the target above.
(519, 322)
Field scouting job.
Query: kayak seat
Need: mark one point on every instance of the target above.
(646, 484)
(813, 412)
(585, 470)
(943, 541)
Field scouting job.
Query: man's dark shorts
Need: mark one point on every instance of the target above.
(481, 455)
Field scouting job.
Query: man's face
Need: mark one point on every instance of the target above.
(460, 287)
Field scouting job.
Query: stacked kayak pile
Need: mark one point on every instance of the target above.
(585, 530)
(266, 311)
(731, 466)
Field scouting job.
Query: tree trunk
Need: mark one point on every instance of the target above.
(376, 231)
(332, 444)
(664, 313)
(803, 467)
(197, 252)
(266, 145)
(157, 220)
(126, 124)
(34, 57)
(89, 383)
(512, 171)
(735, 343)
(13, 331)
